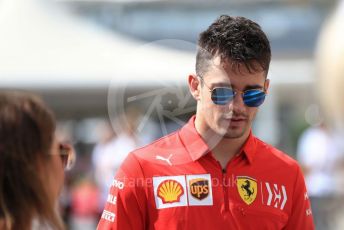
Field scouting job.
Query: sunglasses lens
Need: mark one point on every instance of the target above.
(64, 159)
(254, 98)
(67, 156)
(221, 96)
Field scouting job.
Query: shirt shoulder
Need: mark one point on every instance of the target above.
(271, 155)
(168, 150)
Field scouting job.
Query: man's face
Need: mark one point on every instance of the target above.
(234, 119)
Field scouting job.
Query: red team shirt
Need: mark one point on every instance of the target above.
(176, 183)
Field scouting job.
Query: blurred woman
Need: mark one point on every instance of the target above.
(31, 164)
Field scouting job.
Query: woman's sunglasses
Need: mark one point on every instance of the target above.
(224, 95)
(67, 155)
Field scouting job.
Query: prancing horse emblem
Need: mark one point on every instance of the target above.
(247, 188)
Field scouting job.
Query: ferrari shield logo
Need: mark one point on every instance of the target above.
(247, 188)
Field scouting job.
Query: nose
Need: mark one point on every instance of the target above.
(238, 104)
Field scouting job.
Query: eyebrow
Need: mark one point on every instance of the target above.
(248, 87)
(253, 87)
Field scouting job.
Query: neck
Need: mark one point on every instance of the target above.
(223, 149)
(227, 148)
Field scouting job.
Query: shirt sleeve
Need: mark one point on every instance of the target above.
(126, 203)
(301, 217)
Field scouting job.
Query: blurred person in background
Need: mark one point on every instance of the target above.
(318, 155)
(111, 151)
(330, 72)
(84, 204)
(32, 164)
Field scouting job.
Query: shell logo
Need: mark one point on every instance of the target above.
(170, 191)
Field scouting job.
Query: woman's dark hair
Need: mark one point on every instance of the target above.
(27, 129)
(236, 39)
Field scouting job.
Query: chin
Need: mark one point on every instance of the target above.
(234, 133)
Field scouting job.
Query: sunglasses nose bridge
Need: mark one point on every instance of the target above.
(238, 104)
(238, 95)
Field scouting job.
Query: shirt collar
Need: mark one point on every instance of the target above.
(192, 141)
(197, 147)
(249, 148)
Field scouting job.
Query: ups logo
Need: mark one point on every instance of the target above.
(199, 188)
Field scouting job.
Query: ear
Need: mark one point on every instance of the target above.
(267, 85)
(194, 86)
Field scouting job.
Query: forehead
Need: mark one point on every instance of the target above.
(227, 73)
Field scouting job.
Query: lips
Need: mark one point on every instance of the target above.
(237, 119)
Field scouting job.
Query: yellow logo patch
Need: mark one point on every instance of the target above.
(247, 188)
(170, 191)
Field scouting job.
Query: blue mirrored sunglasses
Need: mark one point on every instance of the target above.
(224, 95)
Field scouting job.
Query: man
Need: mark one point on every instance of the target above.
(213, 173)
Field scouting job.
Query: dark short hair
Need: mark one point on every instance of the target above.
(237, 39)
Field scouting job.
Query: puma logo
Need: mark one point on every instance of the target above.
(165, 159)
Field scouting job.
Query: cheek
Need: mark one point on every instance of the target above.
(214, 116)
(205, 99)
(252, 112)
(210, 110)
(212, 113)
(57, 171)
(207, 104)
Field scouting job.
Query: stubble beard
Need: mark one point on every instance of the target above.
(232, 134)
